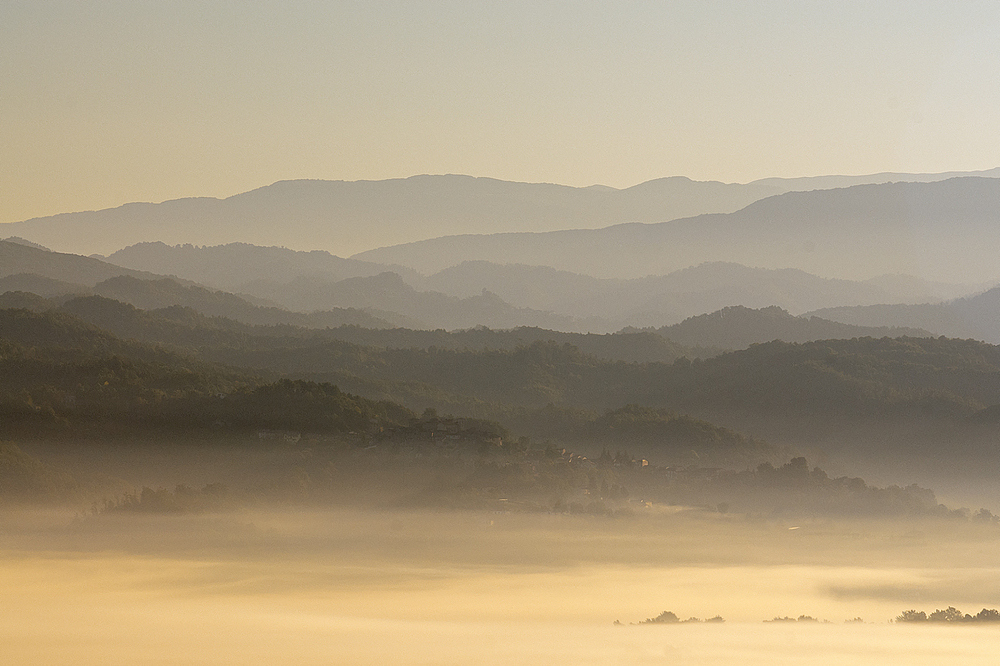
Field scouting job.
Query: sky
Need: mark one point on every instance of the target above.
(108, 102)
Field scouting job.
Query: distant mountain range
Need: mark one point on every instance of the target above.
(307, 281)
(350, 217)
(387, 294)
(276, 285)
(313, 299)
(945, 228)
(667, 299)
(944, 231)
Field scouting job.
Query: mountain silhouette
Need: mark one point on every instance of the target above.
(666, 299)
(944, 231)
(346, 218)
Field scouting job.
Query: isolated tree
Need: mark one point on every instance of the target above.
(666, 617)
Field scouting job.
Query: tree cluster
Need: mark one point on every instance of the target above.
(949, 614)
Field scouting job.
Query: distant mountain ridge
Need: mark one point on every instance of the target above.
(388, 293)
(306, 281)
(943, 231)
(346, 218)
(339, 216)
(314, 297)
(665, 299)
(499, 296)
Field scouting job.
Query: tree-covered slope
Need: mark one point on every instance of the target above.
(857, 377)
(739, 327)
(60, 376)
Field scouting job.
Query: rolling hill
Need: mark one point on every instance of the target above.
(975, 317)
(166, 292)
(49, 268)
(739, 327)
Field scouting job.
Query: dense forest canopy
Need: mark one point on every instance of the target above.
(492, 373)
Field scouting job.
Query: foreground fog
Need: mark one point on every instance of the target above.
(483, 588)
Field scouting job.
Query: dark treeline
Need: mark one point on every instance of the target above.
(949, 614)
(471, 471)
(857, 378)
(669, 617)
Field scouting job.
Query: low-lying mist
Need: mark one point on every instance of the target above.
(357, 586)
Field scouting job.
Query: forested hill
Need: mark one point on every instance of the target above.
(61, 377)
(900, 405)
(858, 378)
(532, 367)
(631, 347)
(738, 327)
(926, 403)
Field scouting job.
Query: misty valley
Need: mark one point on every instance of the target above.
(575, 445)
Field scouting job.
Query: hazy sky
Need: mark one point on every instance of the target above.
(105, 102)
